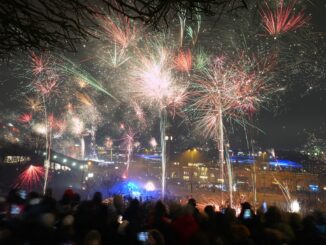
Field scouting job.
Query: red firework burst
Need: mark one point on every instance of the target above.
(121, 31)
(25, 118)
(283, 18)
(31, 177)
(39, 63)
(234, 89)
(46, 87)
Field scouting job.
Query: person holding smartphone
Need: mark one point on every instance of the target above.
(246, 212)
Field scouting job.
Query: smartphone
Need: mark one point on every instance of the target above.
(15, 209)
(22, 194)
(119, 219)
(247, 214)
(142, 236)
(264, 207)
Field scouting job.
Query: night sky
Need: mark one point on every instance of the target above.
(300, 111)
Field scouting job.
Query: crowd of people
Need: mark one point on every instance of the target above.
(40, 219)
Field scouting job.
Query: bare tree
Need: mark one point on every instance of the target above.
(43, 25)
(62, 24)
(154, 12)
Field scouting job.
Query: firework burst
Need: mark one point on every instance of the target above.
(25, 118)
(153, 84)
(231, 90)
(183, 61)
(39, 63)
(282, 19)
(236, 89)
(33, 104)
(121, 30)
(31, 177)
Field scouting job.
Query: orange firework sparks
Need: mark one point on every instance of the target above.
(80, 82)
(183, 61)
(84, 99)
(33, 104)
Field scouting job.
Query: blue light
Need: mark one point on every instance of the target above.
(285, 163)
(275, 163)
(150, 157)
(242, 159)
(125, 188)
(133, 189)
(314, 188)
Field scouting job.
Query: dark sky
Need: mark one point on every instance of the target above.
(299, 111)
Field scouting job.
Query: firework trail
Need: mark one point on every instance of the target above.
(153, 84)
(109, 145)
(113, 59)
(31, 177)
(82, 148)
(282, 19)
(69, 68)
(194, 33)
(232, 91)
(45, 84)
(128, 142)
(93, 155)
(89, 118)
(182, 20)
(285, 190)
